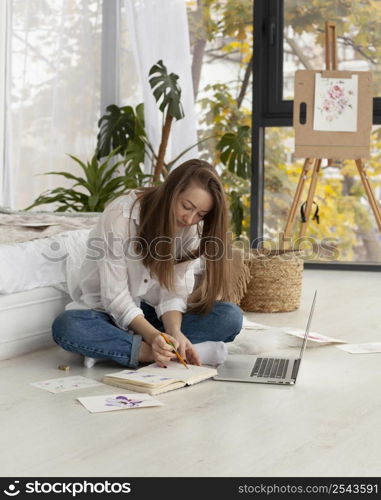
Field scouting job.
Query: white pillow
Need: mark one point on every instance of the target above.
(42, 262)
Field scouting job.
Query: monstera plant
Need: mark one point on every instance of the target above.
(165, 89)
(123, 128)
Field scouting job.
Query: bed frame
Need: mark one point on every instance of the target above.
(26, 319)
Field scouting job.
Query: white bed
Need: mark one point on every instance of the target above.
(36, 279)
(26, 318)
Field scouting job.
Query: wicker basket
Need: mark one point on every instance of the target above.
(276, 282)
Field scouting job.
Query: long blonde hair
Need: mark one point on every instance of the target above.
(157, 222)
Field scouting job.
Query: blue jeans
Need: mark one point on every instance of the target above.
(93, 333)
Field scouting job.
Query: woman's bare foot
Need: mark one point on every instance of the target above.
(145, 353)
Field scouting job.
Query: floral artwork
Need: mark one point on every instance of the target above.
(123, 401)
(115, 402)
(335, 106)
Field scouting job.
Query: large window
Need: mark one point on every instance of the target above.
(292, 38)
(69, 59)
(345, 229)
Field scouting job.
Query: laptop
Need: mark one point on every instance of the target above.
(264, 369)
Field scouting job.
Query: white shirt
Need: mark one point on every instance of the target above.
(113, 278)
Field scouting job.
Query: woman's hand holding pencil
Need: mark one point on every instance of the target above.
(166, 347)
(186, 349)
(164, 350)
(179, 357)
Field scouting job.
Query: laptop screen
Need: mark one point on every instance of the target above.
(303, 348)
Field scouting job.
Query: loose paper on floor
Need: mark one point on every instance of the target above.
(250, 325)
(313, 337)
(371, 347)
(64, 384)
(96, 404)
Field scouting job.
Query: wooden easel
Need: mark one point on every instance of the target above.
(315, 163)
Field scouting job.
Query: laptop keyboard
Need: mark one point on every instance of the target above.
(270, 368)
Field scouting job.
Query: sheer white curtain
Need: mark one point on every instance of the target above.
(158, 29)
(54, 101)
(5, 171)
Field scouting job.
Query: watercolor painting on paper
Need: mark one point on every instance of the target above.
(96, 404)
(335, 107)
(63, 384)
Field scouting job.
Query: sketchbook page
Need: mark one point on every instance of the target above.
(371, 347)
(96, 404)
(138, 378)
(335, 107)
(175, 370)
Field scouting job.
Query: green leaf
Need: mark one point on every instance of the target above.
(237, 212)
(46, 198)
(139, 121)
(93, 201)
(135, 153)
(80, 163)
(166, 89)
(80, 180)
(92, 174)
(235, 151)
(113, 185)
(116, 128)
(109, 172)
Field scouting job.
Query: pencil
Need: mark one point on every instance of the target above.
(180, 358)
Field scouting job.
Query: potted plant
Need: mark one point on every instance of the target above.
(122, 146)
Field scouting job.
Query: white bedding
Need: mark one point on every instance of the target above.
(36, 281)
(41, 262)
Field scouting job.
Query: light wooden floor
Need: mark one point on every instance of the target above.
(326, 425)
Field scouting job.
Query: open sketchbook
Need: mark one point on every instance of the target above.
(155, 380)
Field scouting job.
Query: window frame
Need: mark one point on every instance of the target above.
(271, 110)
(110, 91)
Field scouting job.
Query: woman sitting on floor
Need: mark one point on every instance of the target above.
(138, 276)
